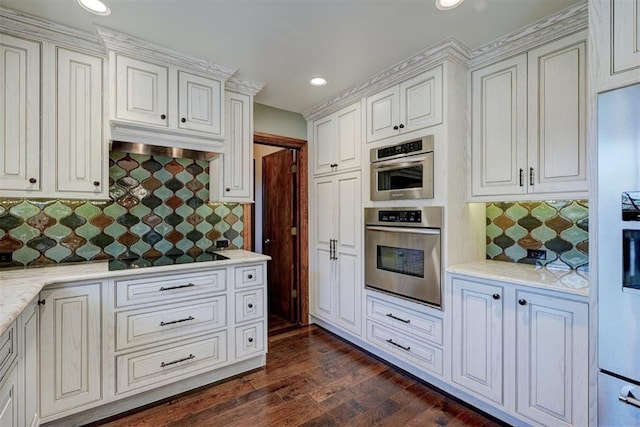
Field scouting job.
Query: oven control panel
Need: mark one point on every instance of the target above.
(400, 216)
(394, 150)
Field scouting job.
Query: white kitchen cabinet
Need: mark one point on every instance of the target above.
(529, 123)
(200, 103)
(625, 36)
(552, 358)
(142, 91)
(411, 105)
(19, 116)
(80, 148)
(70, 348)
(28, 366)
(232, 172)
(478, 338)
(336, 242)
(522, 350)
(9, 399)
(337, 141)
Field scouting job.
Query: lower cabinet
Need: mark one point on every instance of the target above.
(525, 352)
(28, 368)
(9, 399)
(70, 347)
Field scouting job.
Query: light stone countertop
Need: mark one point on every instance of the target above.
(19, 287)
(567, 281)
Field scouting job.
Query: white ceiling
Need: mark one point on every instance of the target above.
(284, 43)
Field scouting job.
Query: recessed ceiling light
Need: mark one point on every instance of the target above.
(317, 81)
(448, 4)
(95, 6)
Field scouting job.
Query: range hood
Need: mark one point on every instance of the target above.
(159, 150)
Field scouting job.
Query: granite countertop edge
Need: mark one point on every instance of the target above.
(19, 287)
(560, 280)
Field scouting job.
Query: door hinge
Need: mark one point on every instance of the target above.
(294, 231)
(294, 168)
(294, 293)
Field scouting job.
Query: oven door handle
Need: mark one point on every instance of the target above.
(396, 164)
(428, 231)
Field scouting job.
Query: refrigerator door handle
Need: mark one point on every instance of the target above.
(630, 395)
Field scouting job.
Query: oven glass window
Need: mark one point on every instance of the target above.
(401, 260)
(400, 179)
(631, 258)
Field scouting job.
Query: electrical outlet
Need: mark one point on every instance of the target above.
(221, 244)
(539, 254)
(6, 256)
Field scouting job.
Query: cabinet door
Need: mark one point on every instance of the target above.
(322, 264)
(383, 114)
(499, 128)
(28, 366)
(70, 348)
(9, 400)
(237, 162)
(421, 101)
(323, 145)
(478, 342)
(557, 118)
(348, 140)
(79, 144)
(626, 35)
(552, 360)
(19, 114)
(141, 91)
(348, 283)
(199, 103)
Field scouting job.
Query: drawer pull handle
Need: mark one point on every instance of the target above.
(184, 359)
(398, 318)
(390, 341)
(250, 339)
(250, 305)
(176, 287)
(177, 321)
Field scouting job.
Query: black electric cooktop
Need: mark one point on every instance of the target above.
(130, 261)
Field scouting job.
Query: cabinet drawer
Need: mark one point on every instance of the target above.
(250, 339)
(249, 305)
(168, 287)
(153, 367)
(249, 275)
(7, 349)
(405, 320)
(419, 354)
(151, 325)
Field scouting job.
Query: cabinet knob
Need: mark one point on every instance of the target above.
(401, 126)
(183, 120)
(522, 301)
(250, 276)
(395, 127)
(42, 302)
(33, 180)
(250, 305)
(250, 339)
(163, 116)
(96, 183)
(496, 296)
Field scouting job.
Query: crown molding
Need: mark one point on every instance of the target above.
(565, 22)
(142, 49)
(32, 27)
(448, 49)
(246, 87)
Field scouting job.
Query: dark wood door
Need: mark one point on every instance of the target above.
(278, 220)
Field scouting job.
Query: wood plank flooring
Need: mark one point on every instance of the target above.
(312, 378)
(278, 325)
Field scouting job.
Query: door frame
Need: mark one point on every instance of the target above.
(301, 303)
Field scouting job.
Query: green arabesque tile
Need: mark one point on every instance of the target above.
(24, 233)
(543, 212)
(575, 211)
(517, 212)
(24, 210)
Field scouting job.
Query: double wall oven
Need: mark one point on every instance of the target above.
(402, 252)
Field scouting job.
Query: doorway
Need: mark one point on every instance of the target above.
(280, 226)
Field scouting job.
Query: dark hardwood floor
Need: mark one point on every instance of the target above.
(312, 378)
(278, 325)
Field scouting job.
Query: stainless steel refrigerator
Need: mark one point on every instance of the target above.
(618, 216)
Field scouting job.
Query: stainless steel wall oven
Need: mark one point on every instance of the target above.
(402, 252)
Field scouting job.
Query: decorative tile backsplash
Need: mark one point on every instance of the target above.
(158, 209)
(561, 228)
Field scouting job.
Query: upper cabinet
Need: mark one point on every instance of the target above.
(20, 121)
(163, 97)
(411, 105)
(626, 35)
(337, 141)
(528, 131)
